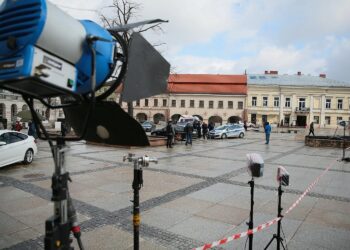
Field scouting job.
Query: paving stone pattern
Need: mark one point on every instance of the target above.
(183, 179)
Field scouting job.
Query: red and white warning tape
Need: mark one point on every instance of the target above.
(269, 223)
(238, 236)
(309, 189)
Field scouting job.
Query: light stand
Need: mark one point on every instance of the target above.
(255, 169)
(137, 183)
(250, 223)
(59, 226)
(279, 214)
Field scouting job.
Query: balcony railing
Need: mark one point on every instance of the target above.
(302, 109)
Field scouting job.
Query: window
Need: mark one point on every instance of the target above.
(254, 98)
(339, 119)
(301, 103)
(287, 103)
(327, 120)
(137, 103)
(240, 105)
(201, 104)
(191, 103)
(316, 119)
(220, 104)
(264, 118)
(155, 102)
(230, 104)
(328, 103)
(14, 138)
(11, 138)
(265, 101)
(211, 104)
(173, 103)
(164, 102)
(340, 103)
(146, 102)
(5, 137)
(182, 103)
(276, 102)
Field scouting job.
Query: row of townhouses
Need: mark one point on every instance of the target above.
(288, 100)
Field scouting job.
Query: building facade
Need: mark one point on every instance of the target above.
(11, 104)
(288, 100)
(213, 98)
(297, 100)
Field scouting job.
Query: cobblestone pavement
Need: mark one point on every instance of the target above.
(194, 195)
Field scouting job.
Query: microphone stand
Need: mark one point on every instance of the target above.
(137, 183)
(250, 223)
(277, 236)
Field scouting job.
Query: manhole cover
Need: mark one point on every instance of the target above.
(30, 176)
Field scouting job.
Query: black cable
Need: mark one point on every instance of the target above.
(245, 245)
(37, 123)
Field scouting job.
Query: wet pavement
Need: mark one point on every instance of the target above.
(194, 195)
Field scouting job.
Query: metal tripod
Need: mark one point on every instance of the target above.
(137, 183)
(250, 223)
(64, 220)
(278, 235)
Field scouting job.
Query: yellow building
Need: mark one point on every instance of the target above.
(297, 100)
(291, 100)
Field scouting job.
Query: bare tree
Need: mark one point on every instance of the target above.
(123, 11)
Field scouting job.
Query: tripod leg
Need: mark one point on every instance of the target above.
(283, 244)
(267, 246)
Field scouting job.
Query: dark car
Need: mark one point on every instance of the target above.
(148, 126)
(159, 132)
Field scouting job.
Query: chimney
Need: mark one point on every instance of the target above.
(323, 75)
(299, 73)
(273, 72)
(266, 72)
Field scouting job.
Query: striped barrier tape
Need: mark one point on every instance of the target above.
(309, 188)
(238, 236)
(269, 223)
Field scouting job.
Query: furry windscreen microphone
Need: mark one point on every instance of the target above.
(255, 165)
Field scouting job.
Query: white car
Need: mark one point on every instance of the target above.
(16, 147)
(225, 131)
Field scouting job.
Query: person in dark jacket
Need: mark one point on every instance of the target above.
(311, 129)
(189, 131)
(267, 132)
(205, 130)
(63, 129)
(199, 129)
(32, 130)
(210, 126)
(170, 134)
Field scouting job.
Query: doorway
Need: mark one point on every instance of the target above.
(253, 119)
(301, 120)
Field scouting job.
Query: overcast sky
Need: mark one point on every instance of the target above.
(231, 36)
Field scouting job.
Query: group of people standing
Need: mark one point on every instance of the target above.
(202, 130)
(17, 126)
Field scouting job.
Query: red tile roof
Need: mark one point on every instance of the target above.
(207, 84)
